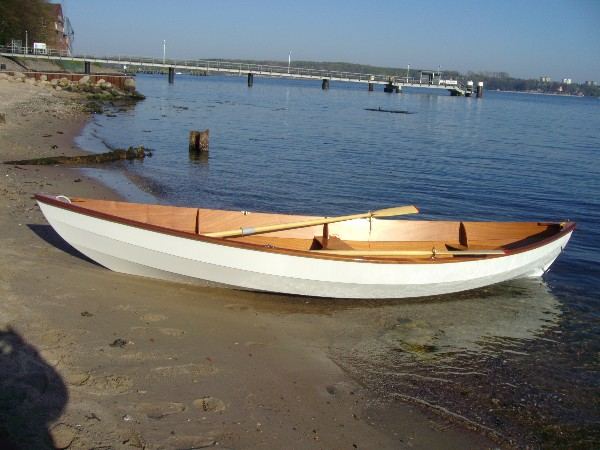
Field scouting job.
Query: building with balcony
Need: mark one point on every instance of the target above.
(59, 31)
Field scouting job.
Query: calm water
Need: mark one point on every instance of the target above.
(520, 358)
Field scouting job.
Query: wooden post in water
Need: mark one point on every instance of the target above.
(199, 141)
(171, 75)
(250, 79)
(87, 67)
(480, 89)
(325, 84)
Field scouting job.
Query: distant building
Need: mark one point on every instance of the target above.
(59, 31)
(430, 77)
(590, 83)
(545, 79)
(567, 81)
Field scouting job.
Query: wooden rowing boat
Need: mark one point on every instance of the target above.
(357, 256)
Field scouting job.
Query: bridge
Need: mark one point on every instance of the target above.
(426, 80)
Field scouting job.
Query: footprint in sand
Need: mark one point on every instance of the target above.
(236, 307)
(63, 435)
(158, 410)
(141, 356)
(209, 404)
(52, 337)
(254, 344)
(151, 317)
(171, 331)
(340, 388)
(54, 357)
(129, 308)
(110, 384)
(209, 439)
(76, 378)
(164, 330)
(191, 370)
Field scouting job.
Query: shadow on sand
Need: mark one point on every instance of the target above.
(32, 395)
(47, 233)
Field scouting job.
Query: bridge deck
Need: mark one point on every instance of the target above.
(243, 68)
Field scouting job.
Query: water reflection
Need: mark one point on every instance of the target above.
(492, 358)
(517, 310)
(443, 325)
(199, 158)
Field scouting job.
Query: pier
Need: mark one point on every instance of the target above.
(391, 84)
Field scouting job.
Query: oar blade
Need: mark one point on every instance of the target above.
(395, 211)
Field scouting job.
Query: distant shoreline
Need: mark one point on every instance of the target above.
(543, 93)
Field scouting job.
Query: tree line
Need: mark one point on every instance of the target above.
(504, 82)
(18, 16)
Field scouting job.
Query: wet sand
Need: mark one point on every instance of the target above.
(92, 358)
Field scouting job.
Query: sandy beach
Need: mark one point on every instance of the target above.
(95, 359)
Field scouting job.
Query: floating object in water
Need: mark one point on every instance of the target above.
(393, 111)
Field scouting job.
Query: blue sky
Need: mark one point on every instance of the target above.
(559, 38)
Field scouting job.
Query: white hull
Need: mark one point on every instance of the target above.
(138, 251)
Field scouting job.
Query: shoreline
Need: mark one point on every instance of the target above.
(130, 362)
(543, 93)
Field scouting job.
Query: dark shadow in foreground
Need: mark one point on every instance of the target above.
(47, 233)
(32, 395)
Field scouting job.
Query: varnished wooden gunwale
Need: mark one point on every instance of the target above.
(562, 229)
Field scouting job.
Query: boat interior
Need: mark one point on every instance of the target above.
(359, 238)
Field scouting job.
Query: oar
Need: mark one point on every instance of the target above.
(410, 252)
(388, 212)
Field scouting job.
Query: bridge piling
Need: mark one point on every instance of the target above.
(171, 75)
(325, 84)
(250, 79)
(469, 90)
(87, 67)
(371, 87)
(389, 88)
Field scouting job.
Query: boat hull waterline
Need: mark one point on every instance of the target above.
(132, 248)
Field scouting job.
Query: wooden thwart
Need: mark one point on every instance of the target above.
(388, 212)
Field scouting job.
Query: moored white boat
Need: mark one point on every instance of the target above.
(357, 258)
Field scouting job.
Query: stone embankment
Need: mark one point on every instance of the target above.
(95, 86)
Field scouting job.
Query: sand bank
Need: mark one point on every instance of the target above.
(92, 358)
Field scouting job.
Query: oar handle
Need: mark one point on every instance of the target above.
(247, 231)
